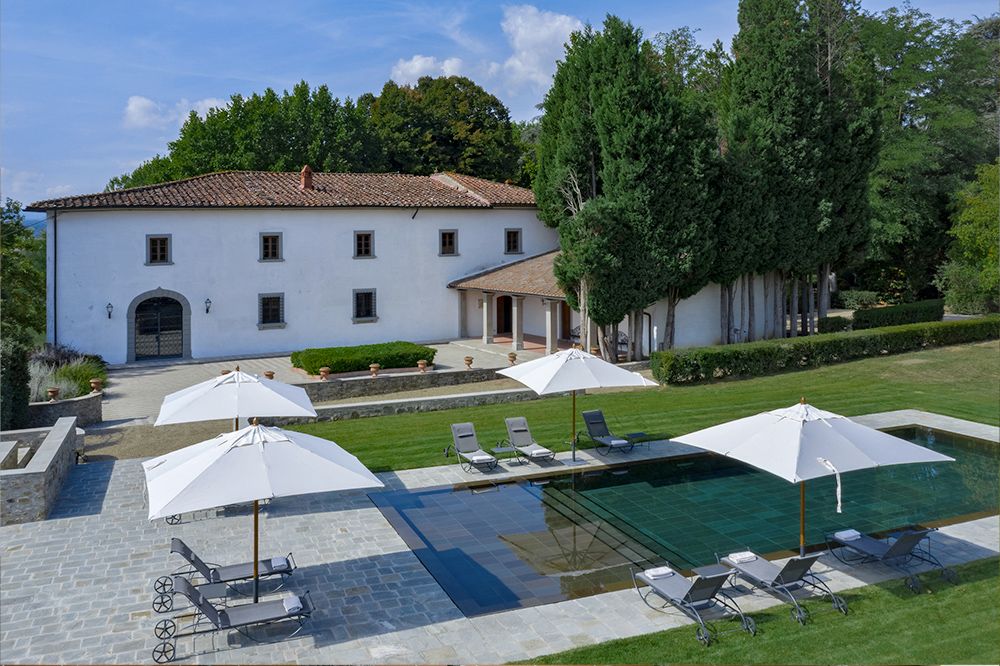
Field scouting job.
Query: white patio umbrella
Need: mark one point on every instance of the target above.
(250, 464)
(233, 395)
(572, 370)
(801, 443)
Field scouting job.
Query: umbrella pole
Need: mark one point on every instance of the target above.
(256, 579)
(572, 435)
(802, 518)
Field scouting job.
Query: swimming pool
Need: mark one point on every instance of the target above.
(518, 544)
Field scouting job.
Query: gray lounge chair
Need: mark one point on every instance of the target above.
(524, 444)
(214, 574)
(604, 440)
(784, 581)
(901, 551)
(208, 618)
(693, 598)
(466, 445)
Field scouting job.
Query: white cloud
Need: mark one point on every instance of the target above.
(409, 71)
(536, 38)
(143, 113)
(56, 191)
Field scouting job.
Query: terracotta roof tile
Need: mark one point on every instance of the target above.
(265, 189)
(531, 277)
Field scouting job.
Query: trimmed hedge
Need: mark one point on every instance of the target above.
(854, 299)
(834, 324)
(768, 357)
(896, 315)
(397, 354)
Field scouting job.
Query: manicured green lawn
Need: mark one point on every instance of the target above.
(961, 381)
(887, 625)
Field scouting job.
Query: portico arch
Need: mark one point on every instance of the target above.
(185, 320)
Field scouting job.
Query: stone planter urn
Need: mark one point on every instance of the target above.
(422, 364)
(225, 372)
(595, 351)
(512, 357)
(53, 393)
(468, 363)
(324, 373)
(269, 374)
(96, 384)
(374, 367)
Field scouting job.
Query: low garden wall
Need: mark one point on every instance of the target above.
(353, 387)
(29, 492)
(86, 409)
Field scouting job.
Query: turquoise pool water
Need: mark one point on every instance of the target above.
(528, 543)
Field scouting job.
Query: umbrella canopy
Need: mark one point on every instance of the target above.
(254, 463)
(801, 443)
(233, 395)
(572, 370)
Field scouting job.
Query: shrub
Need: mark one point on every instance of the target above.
(81, 372)
(14, 377)
(834, 324)
(895, 315)
(769, 357)
(397, 354)
(853, 299)
(44, 376)
(963, 290)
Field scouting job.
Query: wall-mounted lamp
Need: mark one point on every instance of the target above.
(208, 305)
(110, 308)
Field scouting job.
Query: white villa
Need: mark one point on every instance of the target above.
(246, 263)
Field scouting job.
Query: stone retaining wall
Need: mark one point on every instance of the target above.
(406, 406)
(29, 493)
(86, 409)
(352, 387)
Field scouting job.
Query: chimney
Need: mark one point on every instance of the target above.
(306, 178)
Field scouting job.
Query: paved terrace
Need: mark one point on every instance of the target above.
(77, 587)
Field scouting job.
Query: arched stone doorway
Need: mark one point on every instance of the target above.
(159, 326)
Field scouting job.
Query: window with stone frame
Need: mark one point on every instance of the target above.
(512, 241)
(364, 305)
(158, 249)
(364, 244)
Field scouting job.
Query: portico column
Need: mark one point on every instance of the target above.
(551, 325)
(517, 322)
(487, 318)
(463, 328)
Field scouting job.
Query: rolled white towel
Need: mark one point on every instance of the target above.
(659, 572)
(292, 604)
(741, 557)
(847, 535)
(279, 563)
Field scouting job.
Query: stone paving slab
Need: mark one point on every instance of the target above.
(77, 588)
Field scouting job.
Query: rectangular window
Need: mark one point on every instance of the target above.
(364, 245)
(449, 242)
(364, 306)
(158, 250)
(512, 242)
(271, 311)
(270, 247)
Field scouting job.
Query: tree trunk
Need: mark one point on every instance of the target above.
(804, 308)
(741, 336)
(794, 307)
(668, 331)
(768, 318)
(602, 343)
(751, 314)
(812, 308)
(637, 334)
(824, 289)
(782, 304)
(613, 344)
(585, 342)
(724, 312)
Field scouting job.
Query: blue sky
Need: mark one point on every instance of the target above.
(88, 90)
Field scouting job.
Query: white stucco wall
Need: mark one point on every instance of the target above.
(102, 254)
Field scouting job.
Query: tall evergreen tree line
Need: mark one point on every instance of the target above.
(439, 124)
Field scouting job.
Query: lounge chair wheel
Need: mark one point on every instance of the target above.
(950, 576)
(840, 604)
(163, 652)
(749, 625)
(163, 603)
(703, 636)
(163, 585)
(165, 629)
(174, 519)
(800, 615)
(914, 584)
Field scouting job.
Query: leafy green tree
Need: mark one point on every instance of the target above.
(970, 280)
(22, 277)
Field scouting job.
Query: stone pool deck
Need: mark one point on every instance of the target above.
(77, 588)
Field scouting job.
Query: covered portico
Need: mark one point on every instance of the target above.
(516, 299)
